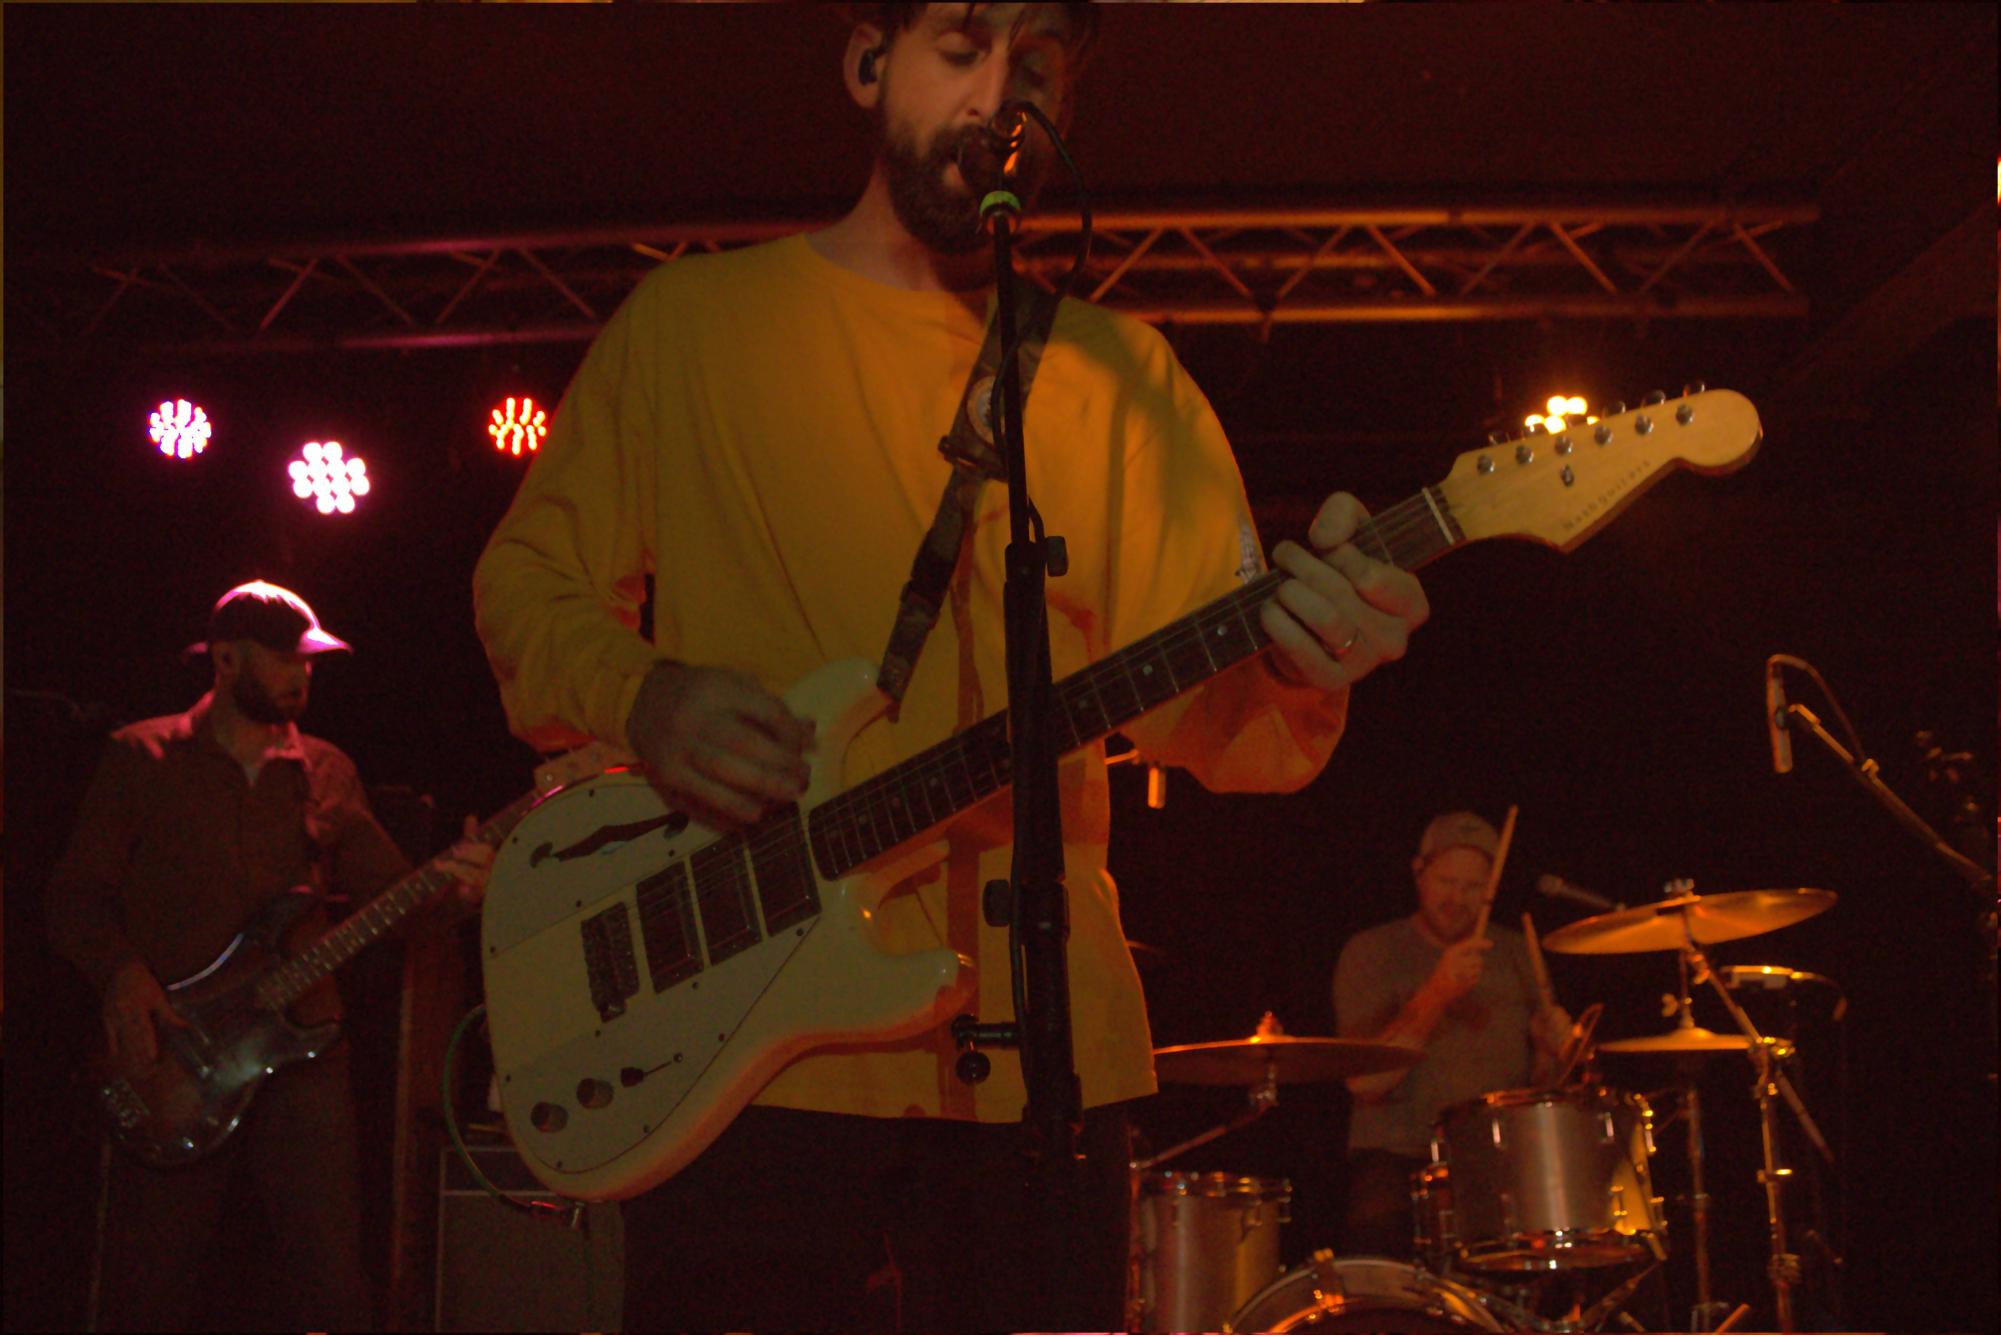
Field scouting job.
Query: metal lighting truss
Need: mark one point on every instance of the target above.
(1253, 266)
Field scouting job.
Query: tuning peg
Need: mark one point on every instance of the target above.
(1496, 439)
(1692, 388)
(1616, 408)
(1658, 396)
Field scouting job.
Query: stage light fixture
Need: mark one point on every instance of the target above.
(181, 429)
(515, 430)
(1560, 408)
(328, 476)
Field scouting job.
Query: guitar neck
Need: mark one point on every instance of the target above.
(943, 780)
(380, 916)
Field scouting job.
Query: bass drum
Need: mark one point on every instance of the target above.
(1363, 1293)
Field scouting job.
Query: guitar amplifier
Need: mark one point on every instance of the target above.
(502, 1270)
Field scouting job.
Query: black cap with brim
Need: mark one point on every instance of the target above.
(274, 617)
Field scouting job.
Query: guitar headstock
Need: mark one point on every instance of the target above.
(1560, 489)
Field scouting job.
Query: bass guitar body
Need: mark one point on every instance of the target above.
(191, 1097)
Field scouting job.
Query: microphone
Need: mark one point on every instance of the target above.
(990, 154)
(1770, 977)
(1775, 718)
(1558, 888)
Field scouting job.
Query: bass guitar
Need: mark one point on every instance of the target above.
(646, 976)
(192, 1096)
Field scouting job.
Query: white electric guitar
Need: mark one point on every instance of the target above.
(646, 977)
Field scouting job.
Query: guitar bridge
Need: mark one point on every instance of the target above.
(609, 960)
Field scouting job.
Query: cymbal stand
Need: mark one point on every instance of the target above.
(1707, 1310)
(1784, 1265)
(1263, 1098)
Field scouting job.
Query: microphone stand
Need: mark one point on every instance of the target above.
(1040, 920)
(1867, 773)
(1978, 879)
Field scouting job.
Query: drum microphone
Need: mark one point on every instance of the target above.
(1770, 977)
(1775, 718)
(1778, 978)
(1558, 888)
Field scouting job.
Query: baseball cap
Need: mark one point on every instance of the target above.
(276, 618)
(1457, 829)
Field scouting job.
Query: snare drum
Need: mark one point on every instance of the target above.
(1549, 1180)
(1364, 1293)
(1206, 1242)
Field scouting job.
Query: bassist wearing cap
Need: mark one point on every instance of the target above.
(204, 847)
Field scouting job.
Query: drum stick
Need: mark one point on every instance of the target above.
(1536, 962)
(1494, 876)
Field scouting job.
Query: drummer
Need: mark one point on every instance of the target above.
(1470, 1002)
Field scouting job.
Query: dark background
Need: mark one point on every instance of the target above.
(1613, 694)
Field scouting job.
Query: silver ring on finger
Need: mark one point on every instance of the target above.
(1341, 650)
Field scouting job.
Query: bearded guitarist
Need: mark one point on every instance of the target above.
(193, 825)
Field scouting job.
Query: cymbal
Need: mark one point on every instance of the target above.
(1693, 1038)
(1659, 926)
(1245, 1061)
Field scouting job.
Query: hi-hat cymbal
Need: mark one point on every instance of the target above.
(1668, 924)
(1289, 1060)
(1693, 1038)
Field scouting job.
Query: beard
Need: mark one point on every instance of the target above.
(944, 217)
(256, 704)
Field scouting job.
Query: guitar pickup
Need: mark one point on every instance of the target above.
(609, 961)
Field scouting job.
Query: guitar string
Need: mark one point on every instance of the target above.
(876, 802)
(873, 797)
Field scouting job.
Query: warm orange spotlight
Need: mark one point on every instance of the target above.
(517, 429)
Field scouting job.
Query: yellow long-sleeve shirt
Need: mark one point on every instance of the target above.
(759, 431)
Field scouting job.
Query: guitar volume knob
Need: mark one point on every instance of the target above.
(548, 1118)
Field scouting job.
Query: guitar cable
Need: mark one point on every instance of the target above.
(571, 1214)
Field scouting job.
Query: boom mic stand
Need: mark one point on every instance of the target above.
(1980, 880)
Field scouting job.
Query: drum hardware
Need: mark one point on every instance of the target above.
(1270, 1055)
(1705, 919)
(1702, 919)
(1206, 1243)
(1186, 1268)
(1371, 1293)
(1772, 1083)
(1543, 1181)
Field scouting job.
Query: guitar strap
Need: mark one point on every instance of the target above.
(970, 448)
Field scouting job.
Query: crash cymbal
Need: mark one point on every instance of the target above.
(1692, 1038)
(1246, 1061)
(1660, 926)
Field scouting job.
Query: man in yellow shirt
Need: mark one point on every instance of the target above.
(758, 432)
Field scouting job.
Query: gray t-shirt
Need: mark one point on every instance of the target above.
(1481, 1043)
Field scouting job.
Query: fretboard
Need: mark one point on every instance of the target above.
(938, 783)
(376, 919)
